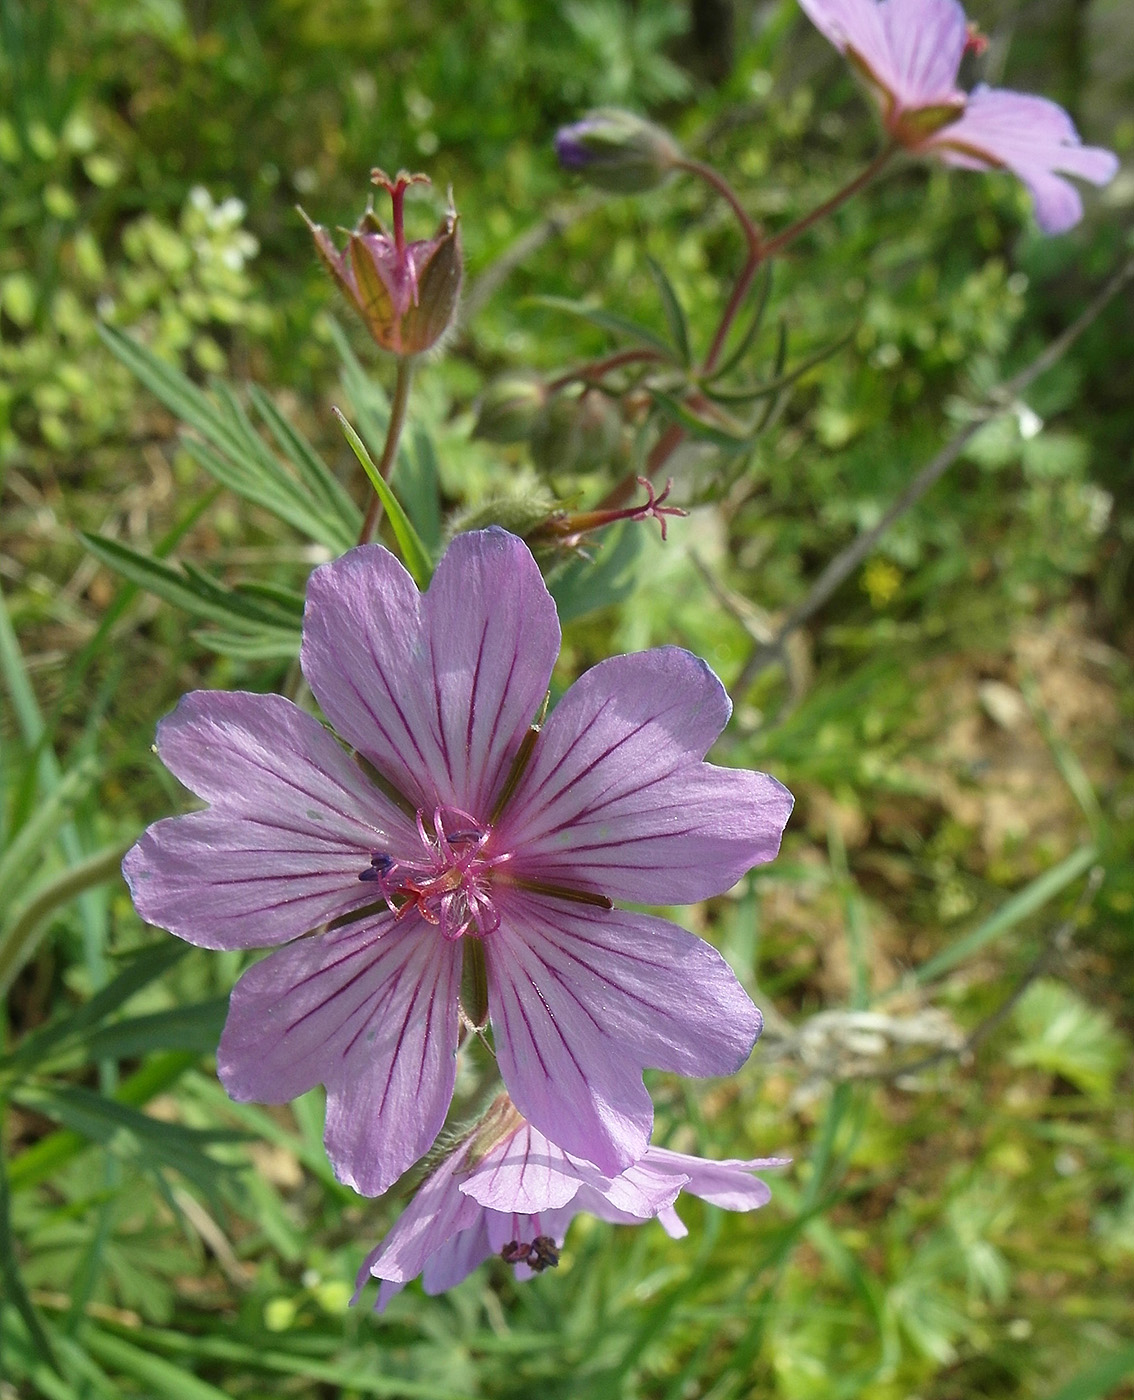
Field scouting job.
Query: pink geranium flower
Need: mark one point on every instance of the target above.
(909, 54)
(455, 845)
(504, 1189)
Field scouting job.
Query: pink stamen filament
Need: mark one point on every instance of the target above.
(450, 885)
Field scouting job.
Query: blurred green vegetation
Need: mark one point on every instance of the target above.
(958, 723)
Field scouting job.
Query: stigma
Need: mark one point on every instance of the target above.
(448, 882)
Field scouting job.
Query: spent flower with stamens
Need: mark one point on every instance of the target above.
(406, 293)
(504, 1189)
(463, 841)
(569, 528)
(908, 52)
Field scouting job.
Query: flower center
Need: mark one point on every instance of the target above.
(449, 882)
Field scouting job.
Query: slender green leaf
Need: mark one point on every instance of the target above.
(191, 590)
(264, 645)
(165, 1379)
(361, 1377)
(1013, 911)
(260, 1122)
(194, 1027)
(609, 321)
(782, 382)
(417, 482)
(143, 968)
(276, 492)
(179, 394)
(674, 312)
(39, 830)
(697, 427)
(762, 286)
(1099, 1380)
(44, 1158)
(320, 480)
(259, 602)
(26, 921)
(14, 1290)
(129, 1133)
(414, 554)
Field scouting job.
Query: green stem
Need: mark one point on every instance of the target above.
(393, 432)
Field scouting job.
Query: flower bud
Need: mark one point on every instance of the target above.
(405, 292)
(519, 513)
(576, 432)
(617, 151)
(510, 407)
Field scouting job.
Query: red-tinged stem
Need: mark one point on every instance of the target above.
(758, 252)
(860, 181)
(659, 455)
(728, 194)
(600, 368)
(390, 447)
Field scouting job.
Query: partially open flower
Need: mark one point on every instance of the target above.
(505, 1189)
(908, 52)
(405, 292)
(617, 151)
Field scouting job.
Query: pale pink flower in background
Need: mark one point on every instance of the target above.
(909, 54)
(505, 1189)
(446, 851)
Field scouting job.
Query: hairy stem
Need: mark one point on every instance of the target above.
(390, 447)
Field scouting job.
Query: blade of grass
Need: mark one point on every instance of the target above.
(92, 911)
(167, 1380)
(29, 920)
(1013, 911)
(14, 1290)
(45, 1157)
(1099, 1380)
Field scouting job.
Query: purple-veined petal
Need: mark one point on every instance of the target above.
(457, 1258)
(911, 49)
(434, 1216)
(855, 24)
(926, 39)
(526, 1173)
(292, 823)
(617, 799)
(1033, 138)
(234, 882)
(728, 1183)
(436, 690)
(583, 999)
(641, 1191)
(369, 1010)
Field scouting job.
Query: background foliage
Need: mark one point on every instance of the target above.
(943, 951)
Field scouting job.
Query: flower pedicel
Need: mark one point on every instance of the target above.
(461, 844)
